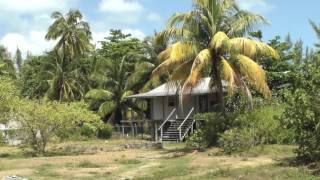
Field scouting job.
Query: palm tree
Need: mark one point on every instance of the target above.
(109, 99)
(64, 81)
(73, 33)
(316, 29)
(208, 40)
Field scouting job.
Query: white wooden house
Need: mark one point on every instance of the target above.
(172, 120)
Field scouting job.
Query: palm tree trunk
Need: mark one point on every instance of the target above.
(118, 116)
(216, 78)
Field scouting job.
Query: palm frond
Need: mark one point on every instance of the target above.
(201, 61)
(251, 48)
(253, 73)
(220, 41)
(99, 94)
(107, 108)
(182, 71)
(229, 75)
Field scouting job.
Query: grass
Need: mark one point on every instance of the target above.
(172, 162)
(129, 161)
(45, 171)
(83, 164)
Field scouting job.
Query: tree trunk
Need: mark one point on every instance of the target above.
(118, 116)
(216, 78)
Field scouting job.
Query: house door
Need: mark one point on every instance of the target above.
(203, 103)
(172, 104)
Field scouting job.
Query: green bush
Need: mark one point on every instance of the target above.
(237, 140)
(88, 130)
(215, 124)
(105, 131)
(2, 141)
(266, 125)
(197, 141)
(256, 127)
(302, 113)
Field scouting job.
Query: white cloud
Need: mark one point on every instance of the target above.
(257, 6)
(31, 6)
(33, 42)
(122, 11)
(120, 6)
(137, 33)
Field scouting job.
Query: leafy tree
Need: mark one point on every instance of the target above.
(302, 111)
(297, 52)
(277, 71)
(74, 34)
(257, 34)
(32, 84)
(18, 60)
(6, 64)
(118, 44)
(8, 97)
(209, 36)
(109, 99)
(143, 69)
(122, 67)
(40, 121)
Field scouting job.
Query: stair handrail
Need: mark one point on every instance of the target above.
(172, 112)
(184, 135)
(187, 117)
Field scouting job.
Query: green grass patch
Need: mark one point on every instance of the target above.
(128, 161)
(170, 168)
(83, 164)
(45, 171)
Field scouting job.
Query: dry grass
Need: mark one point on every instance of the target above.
(173, 162)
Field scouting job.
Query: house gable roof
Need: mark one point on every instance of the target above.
(173, 88)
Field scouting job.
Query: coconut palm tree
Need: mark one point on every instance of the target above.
(109, 99)
(316, 29)
(209, 40)
(64, 81)
(73, 34)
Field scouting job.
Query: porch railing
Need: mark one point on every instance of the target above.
(168, 118)
(183, 122)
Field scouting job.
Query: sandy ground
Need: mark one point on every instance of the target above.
(109, 163)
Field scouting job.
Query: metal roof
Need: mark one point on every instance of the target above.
(172, 89)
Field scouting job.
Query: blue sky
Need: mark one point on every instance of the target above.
(23, 23)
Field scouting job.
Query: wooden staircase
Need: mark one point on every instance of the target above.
(172, 134)
(178, 129)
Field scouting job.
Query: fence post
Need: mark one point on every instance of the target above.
(122, 130)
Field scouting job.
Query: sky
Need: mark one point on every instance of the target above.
(24, 23)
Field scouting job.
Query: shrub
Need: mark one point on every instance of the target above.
(302, 113)
(41, 121)
(237, 140)
(2, 140)
(197, 140)
(215, 124)
(266, 125)
(105, 131)
(88, 130)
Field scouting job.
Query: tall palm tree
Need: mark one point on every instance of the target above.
(74, 34)
(109, 99)
(64, 81)
(209, 39)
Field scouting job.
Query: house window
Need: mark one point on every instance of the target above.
(171, 102)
